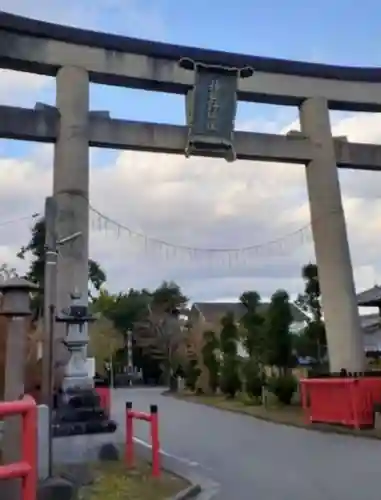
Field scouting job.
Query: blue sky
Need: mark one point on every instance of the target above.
(340, 32)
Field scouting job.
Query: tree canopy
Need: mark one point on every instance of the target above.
(278, 335)
(7, 272)
(36, 273)
(152, 317)
(253, 322)
(230, 382)
(312, 342)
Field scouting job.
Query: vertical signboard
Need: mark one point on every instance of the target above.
(211, 109)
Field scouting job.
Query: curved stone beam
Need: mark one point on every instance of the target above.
(158, 50)
(31, 45)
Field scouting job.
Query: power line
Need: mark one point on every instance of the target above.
(230, 257)
(280, 246)
(249, 248)
(19, 219)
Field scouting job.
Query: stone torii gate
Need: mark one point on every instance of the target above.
(212, 82)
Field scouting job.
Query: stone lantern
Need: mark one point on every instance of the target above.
(16, 297)
(79, 410)
(75, 318)
(16, 306)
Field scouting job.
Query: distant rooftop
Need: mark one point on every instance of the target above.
(215, 310)
(370, 298)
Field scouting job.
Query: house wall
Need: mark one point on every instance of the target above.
(372, 341)
(195, 342)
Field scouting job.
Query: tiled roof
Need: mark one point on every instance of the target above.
(370, 297)
(213, 311)
(216, 309)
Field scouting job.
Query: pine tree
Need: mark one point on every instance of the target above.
(314, 341)
(278, 334)
(211, 359)
(230, 382)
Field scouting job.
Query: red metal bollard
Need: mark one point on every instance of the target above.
(104, 394)
(155, 441)
(153, 419)
(129, 451)
(27, 467)
(29, 451)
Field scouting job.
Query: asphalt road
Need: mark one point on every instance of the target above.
(252, 459)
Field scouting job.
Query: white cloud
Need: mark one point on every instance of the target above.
(196, 202)
(201, 203)
(124, 17)
(21, 89)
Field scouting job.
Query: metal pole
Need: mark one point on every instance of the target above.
(130, 363)
(50, 291)
(52, 321)
(111, 372)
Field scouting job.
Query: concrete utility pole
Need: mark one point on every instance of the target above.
(50, 292)
(52, 244)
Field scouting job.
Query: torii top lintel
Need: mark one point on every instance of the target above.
(276, 81)
(159, 50)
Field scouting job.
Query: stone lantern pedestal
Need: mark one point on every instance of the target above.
(78, 409)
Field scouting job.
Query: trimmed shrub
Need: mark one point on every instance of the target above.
(230, 381)
(191, 375)
(254, 380)
(283, 387)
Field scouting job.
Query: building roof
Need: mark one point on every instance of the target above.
(369, 322)
(213, 311)
(371, 297)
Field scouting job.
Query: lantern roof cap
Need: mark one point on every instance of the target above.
(17, 283)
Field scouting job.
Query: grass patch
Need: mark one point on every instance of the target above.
(113, 481)
(287, 415)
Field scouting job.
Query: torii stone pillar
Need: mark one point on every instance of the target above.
(71, 185)
(344, 337)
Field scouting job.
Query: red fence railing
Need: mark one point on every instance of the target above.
(26, 468)
(153, 419)
(344, 401)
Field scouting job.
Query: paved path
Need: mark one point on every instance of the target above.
(264, 461)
